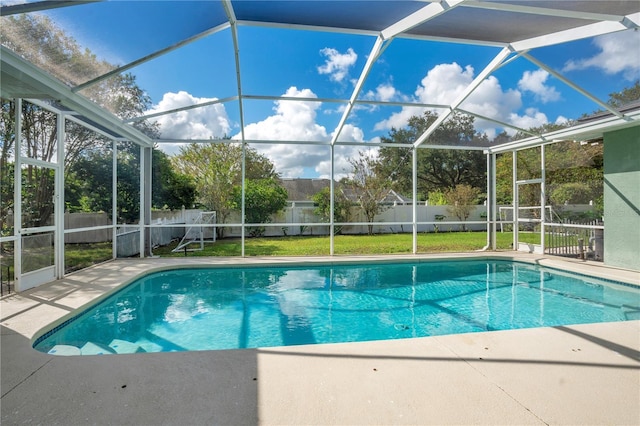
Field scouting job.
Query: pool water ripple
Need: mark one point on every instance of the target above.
(228, 308)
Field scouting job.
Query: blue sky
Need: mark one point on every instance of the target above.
(298, 63)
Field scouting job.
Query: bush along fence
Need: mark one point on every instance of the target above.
(300, 219)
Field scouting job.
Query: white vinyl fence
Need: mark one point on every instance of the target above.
(296, 219)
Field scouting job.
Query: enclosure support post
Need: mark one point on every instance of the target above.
(59, 199)
(494, 203)
(543, 198)
(489, 202)
(141, 204)
(148, 171)
(242, 207)
(332, 202)
(17, 199)
(114, 200)
(145, 201)
(514, 201)
(414, 171)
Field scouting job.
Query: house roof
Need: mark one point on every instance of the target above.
(301, 189)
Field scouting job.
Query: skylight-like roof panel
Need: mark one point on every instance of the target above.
(138, 28)
(610, 7)
(493, 26)
(599, 66)
(354, 15)
(116, 32)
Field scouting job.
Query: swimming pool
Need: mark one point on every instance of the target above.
(227, 308)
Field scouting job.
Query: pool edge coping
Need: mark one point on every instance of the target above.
(256, 262)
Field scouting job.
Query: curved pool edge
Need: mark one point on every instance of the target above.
(155, 265)
(488, 377)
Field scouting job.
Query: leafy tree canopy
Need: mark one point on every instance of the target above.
(88, 157)
(461, 201)
(341, 205)
(216, 169)
(437, 169)
(625, 96)
(263, 198)
(369, 186)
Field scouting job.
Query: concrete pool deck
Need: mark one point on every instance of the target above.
(583, 374)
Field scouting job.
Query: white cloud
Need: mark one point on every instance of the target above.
(293, 120)
(342, 167)
(384, 92)
(535, 82)
(619, 53)
(444, 83)
(531, 118)
(350, 133)
(490, 100)
(198, 123)
(296, 121)
(337, 64)
(441, 86)
(398, 119)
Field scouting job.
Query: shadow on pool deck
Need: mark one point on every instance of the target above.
(156, 388)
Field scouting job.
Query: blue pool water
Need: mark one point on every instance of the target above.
(223, 308)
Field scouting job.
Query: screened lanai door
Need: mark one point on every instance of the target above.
(38, 228)
(528, 218)
(529, 210)
(38, 203)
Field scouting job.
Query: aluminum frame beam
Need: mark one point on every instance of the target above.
(543, 11)
(184, 108)
(57, 90)
(584, 131)
(573, 85)
(585, 31)
(151, 56)
(382, 42)
(39, 6)
(495, 63)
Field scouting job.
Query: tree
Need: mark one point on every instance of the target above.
(88, 185)
(263, 198)
(216, 168)
(40, 41)
(341, 206)
(461, 201)
(368, 186)
(625, 96)
(7, 137)
(438, 169)
(37, 38)
(257, 166)
(39, 140)
(566, 163)
(170, 189)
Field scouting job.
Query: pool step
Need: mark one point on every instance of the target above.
(91, 348)
(64, 350)
(148, 346)
(124, 347)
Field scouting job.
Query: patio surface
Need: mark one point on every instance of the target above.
(584, 374)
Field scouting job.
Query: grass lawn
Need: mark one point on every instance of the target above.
(79, 256)
(346, 244)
